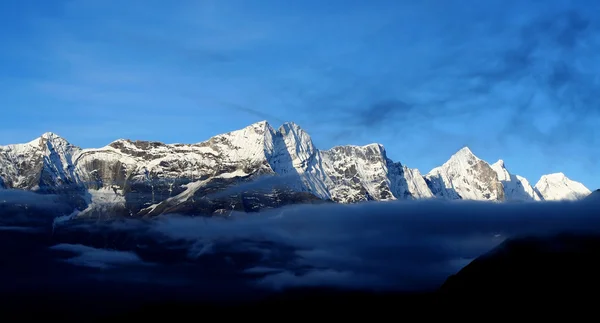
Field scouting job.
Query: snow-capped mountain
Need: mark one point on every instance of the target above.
(249, 169)
(465, 176)
(516, 188)
(45, 162)
(557, 186)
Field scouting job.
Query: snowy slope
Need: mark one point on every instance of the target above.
(465, 176)
(234, 154)
(557, 186)
(516, 188)
(148, 178)
(42, 163)
(295, 157)
(357, 173)
(407, 183)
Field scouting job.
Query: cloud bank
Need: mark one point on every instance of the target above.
(401, 246)
(381, 245)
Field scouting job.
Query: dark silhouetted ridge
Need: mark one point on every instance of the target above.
(562, 269)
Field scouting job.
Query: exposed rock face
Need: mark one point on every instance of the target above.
(516, 188)
(357, 173)
(247, 170)
(465, 176)
(408, 183)
(41, 164)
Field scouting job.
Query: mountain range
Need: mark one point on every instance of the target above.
(251, 169)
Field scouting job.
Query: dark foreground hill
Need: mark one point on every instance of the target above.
(549, 267)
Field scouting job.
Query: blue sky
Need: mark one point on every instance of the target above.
(516, 80)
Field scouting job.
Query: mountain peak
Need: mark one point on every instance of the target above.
(50, 135)
(290, 124)
(499, 163)
(554, 177)
(376, 146)
(557, 186)
(258, 127)
(260, 124)
(464, 151)
(287, 127)
(464, 154)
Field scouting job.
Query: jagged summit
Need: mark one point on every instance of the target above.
(375, 145)
(499, 163)
(150, 178)
(465, 176)
(463, 158)
(264, 124)
(287, 127)
(290, 124)
(371, 145)
(46, 137)
(516, 188)
(463, 153)
(261, 123)
(50, 135)
(465, 150)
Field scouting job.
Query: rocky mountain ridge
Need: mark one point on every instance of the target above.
(250, 169)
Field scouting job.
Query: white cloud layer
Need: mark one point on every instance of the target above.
(381, 245)
(393, 245)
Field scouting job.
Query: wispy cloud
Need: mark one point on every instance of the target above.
(99, 258)
(501, 76)
(540, 58)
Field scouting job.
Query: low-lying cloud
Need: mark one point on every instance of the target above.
(402, 245)
(391, 245)
(98, 258)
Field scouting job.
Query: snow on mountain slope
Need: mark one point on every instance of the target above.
(407, 183)
(152, 172)
(238, 153)
(464, 176)
(362, 173)
(557, 186)
(345, 173)
(357, 173)
(104, 202)
(295, 157)
(40, 164)
(149, 178)
(516, 188)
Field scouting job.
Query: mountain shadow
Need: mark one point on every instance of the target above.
(516, 188)
(435, 185)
